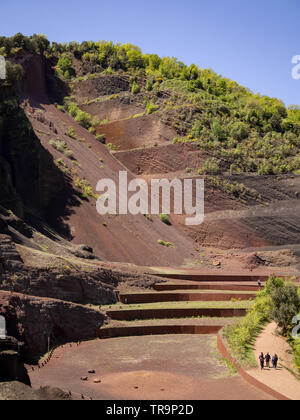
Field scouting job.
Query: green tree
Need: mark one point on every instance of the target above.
(285, 305)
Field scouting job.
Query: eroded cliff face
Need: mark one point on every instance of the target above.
(29, 179)
(39, 321)
(11, 366)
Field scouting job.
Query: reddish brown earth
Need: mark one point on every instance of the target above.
(162, 160)
(158, 368)
(265, 233)
(124, 238)
(112, 109)
(134, 239)
(136, 132)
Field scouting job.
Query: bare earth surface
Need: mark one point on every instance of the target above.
(150, 367)
(281, 379)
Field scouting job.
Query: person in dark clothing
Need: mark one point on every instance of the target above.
(262, 361)
(268, 359)
(275, 361)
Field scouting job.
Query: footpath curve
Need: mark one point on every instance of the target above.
(246, 375)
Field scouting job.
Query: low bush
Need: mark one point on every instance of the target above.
(101, 138)
(165, 219)
(59, 145)
(166, 244)
(111, 146)
(135, 88)
(69, 154)
(151, 107)
(71, 133)
(210, 167)
(84, 189)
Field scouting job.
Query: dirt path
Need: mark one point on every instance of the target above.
(281, 379)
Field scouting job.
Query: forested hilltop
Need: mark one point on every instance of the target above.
(241, 131)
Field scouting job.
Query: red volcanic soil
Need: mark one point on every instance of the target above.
(114, 238)
(153, 367)
(228, 224)
(136, 132)
(111, 109)
(163, 159)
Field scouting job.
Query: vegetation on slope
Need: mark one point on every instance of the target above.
(242, 131)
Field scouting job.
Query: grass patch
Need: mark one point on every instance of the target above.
(166, 244)
(231, 368)
(185, 305)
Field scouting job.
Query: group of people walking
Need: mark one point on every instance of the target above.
(265, 360)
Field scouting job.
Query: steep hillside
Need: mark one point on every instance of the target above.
(73, 114)
(97, 108)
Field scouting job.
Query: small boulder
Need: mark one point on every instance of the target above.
(216, 263)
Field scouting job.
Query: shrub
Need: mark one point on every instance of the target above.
(239, 131)
(285, 305)
(69, 154)
(274, 283)
(149, 85)
(59, 145)
(166, 244)
(84, 189)
(151, 108)
(83, 118)
(135, 88)
(71, 133)
(105, 121)
(165, 219)
(111, 146)
(101, 138)
(219, 131)
(61, 162)
(64, 67)
(210, 167)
